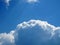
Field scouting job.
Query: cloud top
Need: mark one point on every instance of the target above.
(33, 27)
(42, 24)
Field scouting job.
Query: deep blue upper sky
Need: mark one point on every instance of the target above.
(19, 11)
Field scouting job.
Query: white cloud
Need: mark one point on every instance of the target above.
(9, 38)
(42, 24)
(32, 1)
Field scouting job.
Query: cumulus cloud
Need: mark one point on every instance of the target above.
(33, 31)
(7, 38)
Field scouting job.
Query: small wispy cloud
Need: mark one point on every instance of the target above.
(32, 1)
(7, 2)
(48, 32)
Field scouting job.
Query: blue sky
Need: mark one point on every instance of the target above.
(19, 11)
(21, 18)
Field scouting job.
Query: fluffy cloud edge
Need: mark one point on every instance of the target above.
(10, 37)
(7, 38)
(43, 24)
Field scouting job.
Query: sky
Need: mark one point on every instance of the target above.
(15, 12)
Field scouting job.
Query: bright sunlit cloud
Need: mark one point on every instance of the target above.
(48, 32)
(32, 1)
